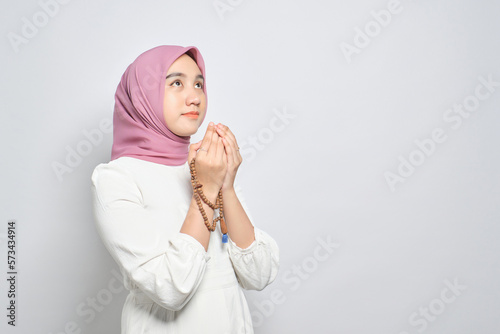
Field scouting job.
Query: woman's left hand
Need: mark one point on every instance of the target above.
(234, 158)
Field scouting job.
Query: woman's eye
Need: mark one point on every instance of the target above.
(176, 83)
(199, 85)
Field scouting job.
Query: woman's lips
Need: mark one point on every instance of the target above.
(191, 114)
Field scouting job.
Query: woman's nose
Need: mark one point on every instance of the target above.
(193, 97)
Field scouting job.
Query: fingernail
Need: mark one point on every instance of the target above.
(211, 123)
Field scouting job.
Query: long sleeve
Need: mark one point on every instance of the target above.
(257, 265)
(167, 272)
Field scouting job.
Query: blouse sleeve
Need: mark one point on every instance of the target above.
(257, 265)
(169, 276)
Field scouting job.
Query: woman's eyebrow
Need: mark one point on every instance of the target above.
(178, 74)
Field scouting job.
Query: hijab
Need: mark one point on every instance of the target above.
(139, 127)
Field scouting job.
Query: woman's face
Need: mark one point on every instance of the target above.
(184, 94)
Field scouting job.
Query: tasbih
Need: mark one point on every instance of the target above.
(198, 193)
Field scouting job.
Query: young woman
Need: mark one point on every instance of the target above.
(182, 277)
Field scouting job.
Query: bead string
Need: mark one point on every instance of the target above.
(198, 193)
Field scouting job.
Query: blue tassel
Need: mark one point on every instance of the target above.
(224, 238)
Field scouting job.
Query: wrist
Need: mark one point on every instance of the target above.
(194, 204)
(228, 190)
(210, 193)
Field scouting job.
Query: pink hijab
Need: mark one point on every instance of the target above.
(139, 128)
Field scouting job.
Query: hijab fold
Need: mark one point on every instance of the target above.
(139, 128)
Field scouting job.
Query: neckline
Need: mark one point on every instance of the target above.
(151, 163)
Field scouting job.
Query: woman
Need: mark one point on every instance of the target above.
(182, 277)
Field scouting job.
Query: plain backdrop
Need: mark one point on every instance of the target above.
(369, 132)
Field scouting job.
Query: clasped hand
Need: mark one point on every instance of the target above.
(217, 158)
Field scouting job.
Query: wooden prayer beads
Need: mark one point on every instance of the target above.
(198, 193)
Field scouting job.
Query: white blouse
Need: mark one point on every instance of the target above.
(175, 285)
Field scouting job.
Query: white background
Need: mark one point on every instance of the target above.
(320, 173)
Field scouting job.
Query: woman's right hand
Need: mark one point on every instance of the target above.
(211, 162)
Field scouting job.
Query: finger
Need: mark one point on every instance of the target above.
(233, 154)
(229, 151)
(225, 132)
(220, 150)
(207, 139)
(224, 128)
(195, 146)
(192, 150)
(212, 150)
(230, 141)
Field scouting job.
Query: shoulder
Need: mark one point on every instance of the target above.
(115, 170)
(114, 180)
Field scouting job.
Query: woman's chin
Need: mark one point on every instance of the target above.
(186, 132)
